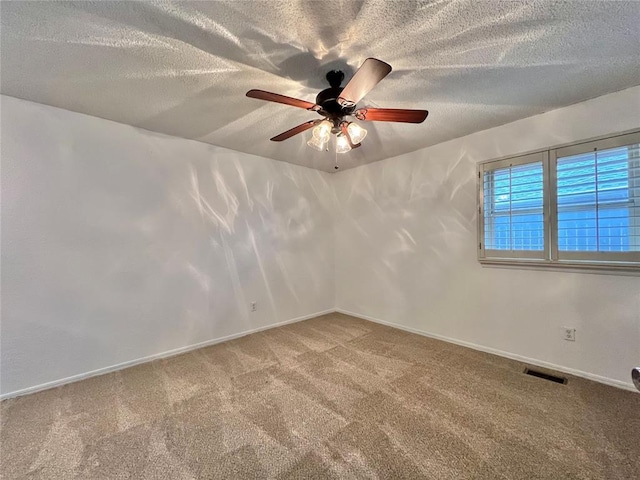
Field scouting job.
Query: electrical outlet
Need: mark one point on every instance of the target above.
(569, 334)
(254, 306)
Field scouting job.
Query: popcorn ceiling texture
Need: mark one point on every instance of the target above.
(183, 68)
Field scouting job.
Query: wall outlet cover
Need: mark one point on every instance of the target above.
(569, 334)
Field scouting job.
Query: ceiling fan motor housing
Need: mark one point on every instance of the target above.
(328, 98)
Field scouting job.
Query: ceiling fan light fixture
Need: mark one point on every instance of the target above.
(322, 131)
(356, 132)
(342, 144)
(317, 144)
(336, 103)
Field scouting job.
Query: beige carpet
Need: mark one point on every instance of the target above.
(332, 397)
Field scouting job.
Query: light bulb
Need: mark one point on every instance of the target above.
(316, 143)
(322, 131)
(356, 132)
(342, 144)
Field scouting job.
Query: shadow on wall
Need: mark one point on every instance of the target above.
(406, 219)
(128, 250)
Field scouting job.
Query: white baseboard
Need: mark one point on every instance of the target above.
(157, 356)
(513, 356)
(170, 353)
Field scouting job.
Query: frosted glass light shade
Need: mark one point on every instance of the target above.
(342, 144)
(317, 144)
(322, 131)
(356, 132)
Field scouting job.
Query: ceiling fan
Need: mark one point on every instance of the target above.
(336, 102)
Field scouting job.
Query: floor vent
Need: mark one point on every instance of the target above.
(545, 376)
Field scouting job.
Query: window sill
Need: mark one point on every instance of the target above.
(609, 268)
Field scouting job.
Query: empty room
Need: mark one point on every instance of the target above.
(320, 239)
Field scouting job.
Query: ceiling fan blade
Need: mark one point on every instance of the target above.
(295, 130)
(368, 76)
(391, 115)
(276, 97)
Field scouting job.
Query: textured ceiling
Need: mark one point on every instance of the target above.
(183, 68)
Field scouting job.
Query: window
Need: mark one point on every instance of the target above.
(571, 206)
(514, 207)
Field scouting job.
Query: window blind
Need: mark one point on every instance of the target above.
(513, 208)
(598, 200)
(573, 206)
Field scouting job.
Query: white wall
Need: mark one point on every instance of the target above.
(119, 243)
(406, 252)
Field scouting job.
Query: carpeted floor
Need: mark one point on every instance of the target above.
(332, 397)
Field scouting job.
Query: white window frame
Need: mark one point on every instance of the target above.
(550, 256)
(531, 255)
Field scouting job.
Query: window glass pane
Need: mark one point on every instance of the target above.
(598, 199)
(513, 203)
